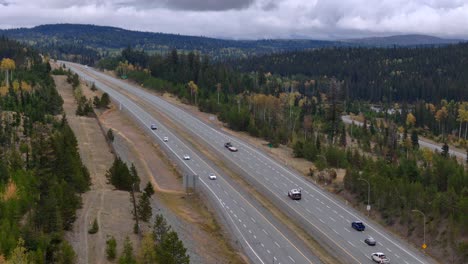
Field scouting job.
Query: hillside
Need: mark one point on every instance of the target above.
(92, 41)
(399, 74)
(403, 40)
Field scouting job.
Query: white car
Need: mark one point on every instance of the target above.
(379, 257)
(295, 194)
(186, 157)
(165, 139)
(212, 176)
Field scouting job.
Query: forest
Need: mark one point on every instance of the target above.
(377, 74)
(41, 174)
(304, 113)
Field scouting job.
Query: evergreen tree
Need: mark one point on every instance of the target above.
(94, 228)
(171, 250)
(160, 228)
(127, 256)
(111, 248)
(96, 101)
(110, 135)
(317, 143)
(120, 176)
(105, 100)
(144, 208)
(445, 150)
(149, 191)
(414, 139)
(343, 137)
(93, 87)
(135, 178)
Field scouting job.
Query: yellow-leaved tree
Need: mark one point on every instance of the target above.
(7, 65)
(410, 120)
(193, 87)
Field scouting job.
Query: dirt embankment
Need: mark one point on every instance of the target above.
(110, 207)
(187, 215)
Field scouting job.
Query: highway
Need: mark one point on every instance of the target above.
(319, 213)
(423, 143)
(261, 240)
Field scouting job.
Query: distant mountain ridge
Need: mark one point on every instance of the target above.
(103, 38)
(403, 40)
(88, 43)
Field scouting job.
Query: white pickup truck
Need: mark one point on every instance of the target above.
(380, 257)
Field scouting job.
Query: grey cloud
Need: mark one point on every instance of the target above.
(270, 5)
(189, 5)
(251, 19)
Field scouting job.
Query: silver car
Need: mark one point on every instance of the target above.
(370, 241)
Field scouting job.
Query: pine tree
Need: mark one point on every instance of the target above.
(160, 228)
(105, 100)
(111, 248)
(135, 178)
(94, 228)
(343, 137)
(110, 135)
(149, 191)
(317, 143)
(414, 139)
(144, 208)
(445, 150)
(127, 256)
(171, 250)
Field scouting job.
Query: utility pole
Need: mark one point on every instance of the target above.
(368, 193)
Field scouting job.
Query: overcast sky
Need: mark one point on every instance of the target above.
(251, 19)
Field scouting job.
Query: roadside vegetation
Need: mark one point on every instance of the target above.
(274, 100)
(41, 174)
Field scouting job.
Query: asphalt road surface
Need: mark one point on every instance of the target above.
(261, 240)
(319, 212)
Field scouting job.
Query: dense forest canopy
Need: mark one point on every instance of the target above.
(378, 74)
(41, 174)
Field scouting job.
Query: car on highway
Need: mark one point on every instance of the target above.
(229, 146)
(380, 257)
(370, 241)
(165, 139)
(212, 176)
(186, 157)
(295, 194)
(153, 127)
(358, 225)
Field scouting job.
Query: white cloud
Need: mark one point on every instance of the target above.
(319, 19)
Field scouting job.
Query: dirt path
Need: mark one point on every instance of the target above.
(101, 200)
